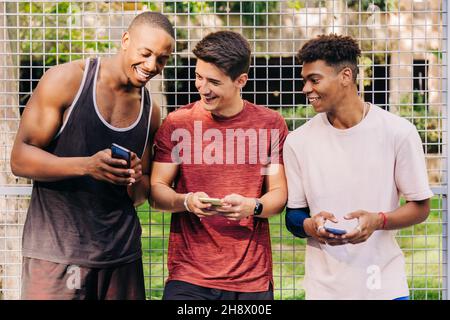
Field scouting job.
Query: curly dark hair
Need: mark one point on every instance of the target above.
(229, 51)
(336, 50)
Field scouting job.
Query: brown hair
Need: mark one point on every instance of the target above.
(229, 51)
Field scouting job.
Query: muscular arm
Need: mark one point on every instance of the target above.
(140, 190)
(41, 120)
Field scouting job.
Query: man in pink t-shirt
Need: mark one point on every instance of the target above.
(226, 148)
(346, 169)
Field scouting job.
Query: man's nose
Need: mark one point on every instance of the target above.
(150, 64)
(306, 87)
(202, 87)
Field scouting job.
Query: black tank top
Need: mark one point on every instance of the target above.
(84, 221)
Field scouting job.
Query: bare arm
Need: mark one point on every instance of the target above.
(164, 197)
(411, 213)
(41, 120)
(140, 190)
(273, 200)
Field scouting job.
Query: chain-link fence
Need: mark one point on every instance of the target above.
(403, 69)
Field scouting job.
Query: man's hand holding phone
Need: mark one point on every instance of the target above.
(119, 170)
(132, 161)
(237, 207)
(200, 204)
(315, 227)
(368, 223)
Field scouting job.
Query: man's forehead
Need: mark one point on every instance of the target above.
(317, 67)
(208, 69)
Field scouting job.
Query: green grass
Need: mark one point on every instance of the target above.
(421, 245)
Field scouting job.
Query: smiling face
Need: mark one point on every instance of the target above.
(323, 85)
(146, 50)
(219, 93)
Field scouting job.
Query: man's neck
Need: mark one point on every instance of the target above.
(112, 75)
(347, 113)
(236, 106)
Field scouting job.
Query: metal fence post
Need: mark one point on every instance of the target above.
(446, 125)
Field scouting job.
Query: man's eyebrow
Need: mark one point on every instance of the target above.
(209, 79)
(309, 75)
(214, 80)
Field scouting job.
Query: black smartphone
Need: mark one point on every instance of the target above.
(119, 152)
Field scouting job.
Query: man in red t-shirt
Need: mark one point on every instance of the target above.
(227, 148)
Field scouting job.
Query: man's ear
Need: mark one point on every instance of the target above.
(241, 81)
(347, 76)
(125, 40)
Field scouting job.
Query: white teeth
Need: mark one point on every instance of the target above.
(142, 73)
(209, 99)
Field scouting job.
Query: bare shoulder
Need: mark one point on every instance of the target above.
(62, 81)
(66, 72)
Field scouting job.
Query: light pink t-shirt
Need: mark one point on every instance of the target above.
(364, 167)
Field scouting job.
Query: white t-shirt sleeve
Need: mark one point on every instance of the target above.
(410, 168)
(296, 193)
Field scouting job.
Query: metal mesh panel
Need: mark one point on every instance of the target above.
(402, 69)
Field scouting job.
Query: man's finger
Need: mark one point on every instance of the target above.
(353, 215)
(328, 216)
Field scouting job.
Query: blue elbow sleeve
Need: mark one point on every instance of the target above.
(294, 221)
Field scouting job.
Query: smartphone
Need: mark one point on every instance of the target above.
(119, 152)
(214, 201)
(338, 232)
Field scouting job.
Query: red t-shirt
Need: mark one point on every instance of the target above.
(221, 156)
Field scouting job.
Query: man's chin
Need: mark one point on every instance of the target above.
(209, 106)
(136, 83)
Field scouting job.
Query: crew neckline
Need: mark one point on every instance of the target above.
(223, 118)
(350, 130)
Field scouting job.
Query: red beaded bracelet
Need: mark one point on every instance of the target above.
(384, 219)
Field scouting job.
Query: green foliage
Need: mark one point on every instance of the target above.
(56, 36)
(296, 116)
(427, 125)
(437, 53)
(252, 11)
(364, 5)
(296, 4)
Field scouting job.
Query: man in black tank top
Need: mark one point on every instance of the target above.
(81, 238)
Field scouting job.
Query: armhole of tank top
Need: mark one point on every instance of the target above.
(75, 100)
(149, 121)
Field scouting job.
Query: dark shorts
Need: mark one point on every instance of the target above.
(45, 280)
(180, 290)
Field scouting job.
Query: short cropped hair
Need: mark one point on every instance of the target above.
(153, 19)
(229, 51)
(336, 50)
